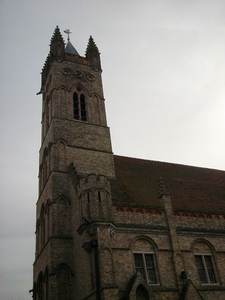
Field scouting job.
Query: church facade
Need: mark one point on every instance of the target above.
(113, 227)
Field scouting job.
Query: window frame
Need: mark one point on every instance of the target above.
(205, 269)
(144, 267)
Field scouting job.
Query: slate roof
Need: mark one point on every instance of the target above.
(70, 48)
(191, 189)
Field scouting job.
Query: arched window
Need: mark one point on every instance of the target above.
(64, 283)
(63, 208)
(145, 266)
(205, 264)
(205, 268)
(79, 107)
(40, 287)
(145, 259)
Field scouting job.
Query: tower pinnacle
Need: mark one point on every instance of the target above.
(92, 53)
(57, 44)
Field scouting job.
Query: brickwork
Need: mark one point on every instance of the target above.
(100, 236)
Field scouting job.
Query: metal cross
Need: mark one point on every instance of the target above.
(67, 31)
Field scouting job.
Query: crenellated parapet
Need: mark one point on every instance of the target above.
(91, 181)
(95, 198)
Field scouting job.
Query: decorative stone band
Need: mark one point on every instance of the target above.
(199, 215)
(138, 210)
(128, 209)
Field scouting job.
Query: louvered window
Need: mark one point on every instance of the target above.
(79, 107)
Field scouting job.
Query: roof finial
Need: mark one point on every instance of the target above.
(162, 188)
(67, 31)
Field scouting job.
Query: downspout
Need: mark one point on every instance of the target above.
(94, 245)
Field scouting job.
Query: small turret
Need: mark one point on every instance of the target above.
(92, 53)
(95, 196)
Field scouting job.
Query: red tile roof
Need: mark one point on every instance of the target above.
(191, 189)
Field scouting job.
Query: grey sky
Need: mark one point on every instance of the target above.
(164, 84)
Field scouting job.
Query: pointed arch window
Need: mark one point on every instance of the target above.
(79, 107)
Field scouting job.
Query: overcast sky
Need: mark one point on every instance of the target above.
(164, 83)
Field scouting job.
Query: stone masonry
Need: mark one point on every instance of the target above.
(110, 227)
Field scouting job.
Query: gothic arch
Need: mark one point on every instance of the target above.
(40, 287)
(138, 289)
(63, 199)
(62, 149)
(63, 274)
(63, 88)
(142, 292)
(63, 217)
(80, 103)
(65, 267)
(79, 87)
(95, 95)
(61, 141)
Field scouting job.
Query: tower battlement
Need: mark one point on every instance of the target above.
(94, 193)
(93, 182)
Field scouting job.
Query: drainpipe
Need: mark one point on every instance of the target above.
(94, 245)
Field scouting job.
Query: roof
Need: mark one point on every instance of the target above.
(191, 189)
(70, 48)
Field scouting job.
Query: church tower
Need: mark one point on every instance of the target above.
(154, 231)
(76, 162)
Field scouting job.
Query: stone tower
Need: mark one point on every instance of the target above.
(76, 162)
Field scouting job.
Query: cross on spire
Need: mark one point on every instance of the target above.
(67, 31)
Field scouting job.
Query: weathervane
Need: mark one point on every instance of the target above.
(67, 31)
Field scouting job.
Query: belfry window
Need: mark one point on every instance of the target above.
(79, 107)
(145, 266)
(205, 268)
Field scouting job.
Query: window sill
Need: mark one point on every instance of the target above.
(210, 287)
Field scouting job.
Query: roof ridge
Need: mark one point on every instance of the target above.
(169, 163)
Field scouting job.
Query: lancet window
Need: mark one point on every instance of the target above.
(79, 107)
